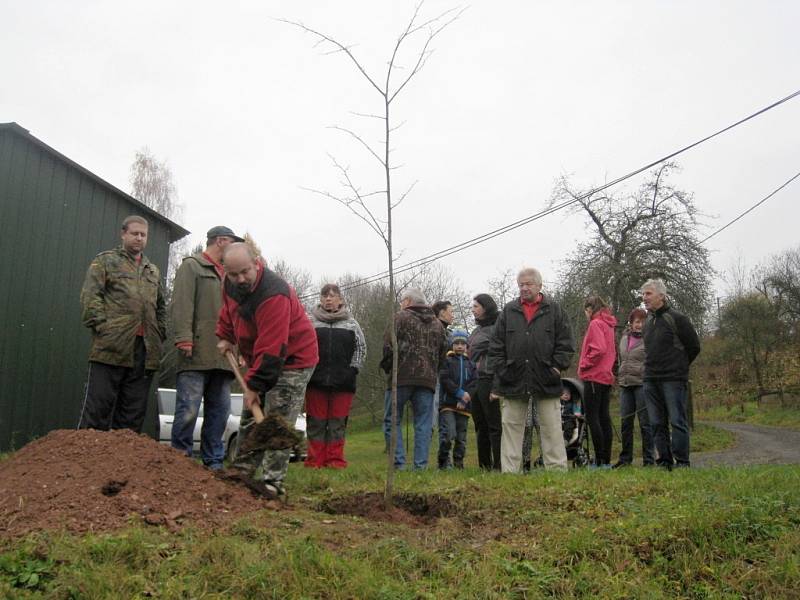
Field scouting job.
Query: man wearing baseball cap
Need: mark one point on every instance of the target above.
(202, 374)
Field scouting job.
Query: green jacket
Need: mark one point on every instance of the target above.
(196, 300)
(119, 295)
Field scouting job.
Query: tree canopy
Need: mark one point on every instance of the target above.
(652, 232)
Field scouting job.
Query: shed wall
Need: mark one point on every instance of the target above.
(53, 220)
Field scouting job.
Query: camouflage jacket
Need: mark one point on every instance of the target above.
(119, 295)
(421, 347)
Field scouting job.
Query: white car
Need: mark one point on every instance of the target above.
(166, 415)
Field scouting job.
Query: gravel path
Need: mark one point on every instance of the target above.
(755, 445)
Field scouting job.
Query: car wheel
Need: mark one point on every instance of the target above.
(230, 453)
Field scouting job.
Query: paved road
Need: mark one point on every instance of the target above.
(755, 445)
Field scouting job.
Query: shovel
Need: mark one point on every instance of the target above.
(270, 432)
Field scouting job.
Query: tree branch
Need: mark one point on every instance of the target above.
(361, 140)
(341, 48)
(358, 114)
(403, 196)
(424, 54)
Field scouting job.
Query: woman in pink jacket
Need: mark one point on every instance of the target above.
(598, 354)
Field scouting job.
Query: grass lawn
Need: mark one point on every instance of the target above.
(632, 533)
(751, 412)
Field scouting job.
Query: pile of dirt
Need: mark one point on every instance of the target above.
(89, 480)
(410, 509)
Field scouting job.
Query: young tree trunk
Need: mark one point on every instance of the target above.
(355, 199)
(389, 489)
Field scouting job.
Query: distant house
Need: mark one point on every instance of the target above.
(55, 216)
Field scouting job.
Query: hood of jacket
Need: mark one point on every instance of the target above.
(605, 316)
(422, 312)
(599, 352)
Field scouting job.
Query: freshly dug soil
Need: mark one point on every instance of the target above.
(273, 433)
(410, 509)
(87, 480)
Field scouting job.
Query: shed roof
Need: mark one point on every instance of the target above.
(176, 231)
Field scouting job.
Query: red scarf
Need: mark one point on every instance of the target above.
(217, 266)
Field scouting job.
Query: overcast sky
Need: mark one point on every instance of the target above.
(515, 95)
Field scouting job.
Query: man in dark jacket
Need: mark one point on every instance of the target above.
(670, 344)
(531, 344)
(262, 315)
(123, 304)
(202, 373)
(421, 345)
(443, 309)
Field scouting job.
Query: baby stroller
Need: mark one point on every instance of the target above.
(573, 425)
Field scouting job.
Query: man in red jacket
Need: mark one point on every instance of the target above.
(262, 315)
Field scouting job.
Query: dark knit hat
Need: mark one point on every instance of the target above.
(458, 335)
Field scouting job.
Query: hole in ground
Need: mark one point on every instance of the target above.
(112, 488)
(408, 508)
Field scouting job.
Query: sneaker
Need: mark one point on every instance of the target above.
(257, 488)
(619, 464)
(272, 491)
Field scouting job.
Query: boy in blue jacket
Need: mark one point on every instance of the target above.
(458, 378)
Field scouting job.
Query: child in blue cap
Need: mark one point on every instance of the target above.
(458, 378)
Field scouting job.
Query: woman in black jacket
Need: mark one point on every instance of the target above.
(330, 391)
(485, 412)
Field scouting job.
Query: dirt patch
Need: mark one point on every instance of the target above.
(410, 509)
(89, 480)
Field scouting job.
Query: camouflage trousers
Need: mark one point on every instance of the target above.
(285, 399)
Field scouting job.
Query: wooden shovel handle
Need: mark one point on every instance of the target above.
(258, 414)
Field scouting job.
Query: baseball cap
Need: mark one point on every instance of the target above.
(221, 230)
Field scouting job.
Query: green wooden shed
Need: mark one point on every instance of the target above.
(55, 216)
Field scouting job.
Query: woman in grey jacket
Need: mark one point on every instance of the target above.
(631, 393)
(485, 412)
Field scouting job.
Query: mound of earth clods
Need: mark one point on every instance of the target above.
(89, 480)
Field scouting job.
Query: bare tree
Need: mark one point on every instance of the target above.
(387, 84)
(300, 279)
(152, 184)
(254, 247)
(503, 287)
(438, 282)
(652, 232)
(780, 279)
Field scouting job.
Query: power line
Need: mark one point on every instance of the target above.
(525, 221)
(756, 205)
